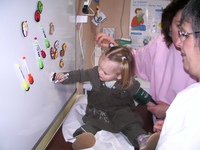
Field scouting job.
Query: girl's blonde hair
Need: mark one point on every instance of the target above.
(123, 56)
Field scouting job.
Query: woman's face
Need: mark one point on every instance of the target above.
(175, 27)
(190, 51)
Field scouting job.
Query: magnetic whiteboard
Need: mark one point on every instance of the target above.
(26, 115)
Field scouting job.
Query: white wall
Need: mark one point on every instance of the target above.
(26, 115)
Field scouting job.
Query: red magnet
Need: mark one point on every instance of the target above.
(43, 54)
(37, 16)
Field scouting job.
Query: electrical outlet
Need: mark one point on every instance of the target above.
(101, 18)
(81, 19)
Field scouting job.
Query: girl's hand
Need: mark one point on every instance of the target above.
(59, 77)
(158, 126)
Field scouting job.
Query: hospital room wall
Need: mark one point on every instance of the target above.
(87, 40)
(113, 20)
(119, 20)
(88, 34)
(117, 14)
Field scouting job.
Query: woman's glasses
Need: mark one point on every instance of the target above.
(184, 35)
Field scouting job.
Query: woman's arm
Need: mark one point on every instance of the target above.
(104, 40)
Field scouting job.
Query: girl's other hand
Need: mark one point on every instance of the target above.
(158, 126)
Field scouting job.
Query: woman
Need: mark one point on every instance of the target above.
(160, 61)
(181, 126)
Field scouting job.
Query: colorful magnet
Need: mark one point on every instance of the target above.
(24, 82)
(37, 16)
(25, 28)
(64, 47)
(53, 53)
(56, 54)
(53, 77)
(30, 77)
(40, 62)
(42, 52)
(56, 45)
(40, 6)
(51, 29)
(61, 63)
(46, 41)
(62, 52)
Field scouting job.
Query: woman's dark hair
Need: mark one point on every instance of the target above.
(167, 17)
(191, 14)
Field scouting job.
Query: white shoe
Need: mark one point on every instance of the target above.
(149, 141)
(83, 141)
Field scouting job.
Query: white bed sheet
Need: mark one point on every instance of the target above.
(104, 140)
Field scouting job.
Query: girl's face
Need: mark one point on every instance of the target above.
(190, 51)
(175, 27)
(108, 70)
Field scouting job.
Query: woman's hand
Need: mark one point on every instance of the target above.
(158, 126)
(104, 40)
(158, 110)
